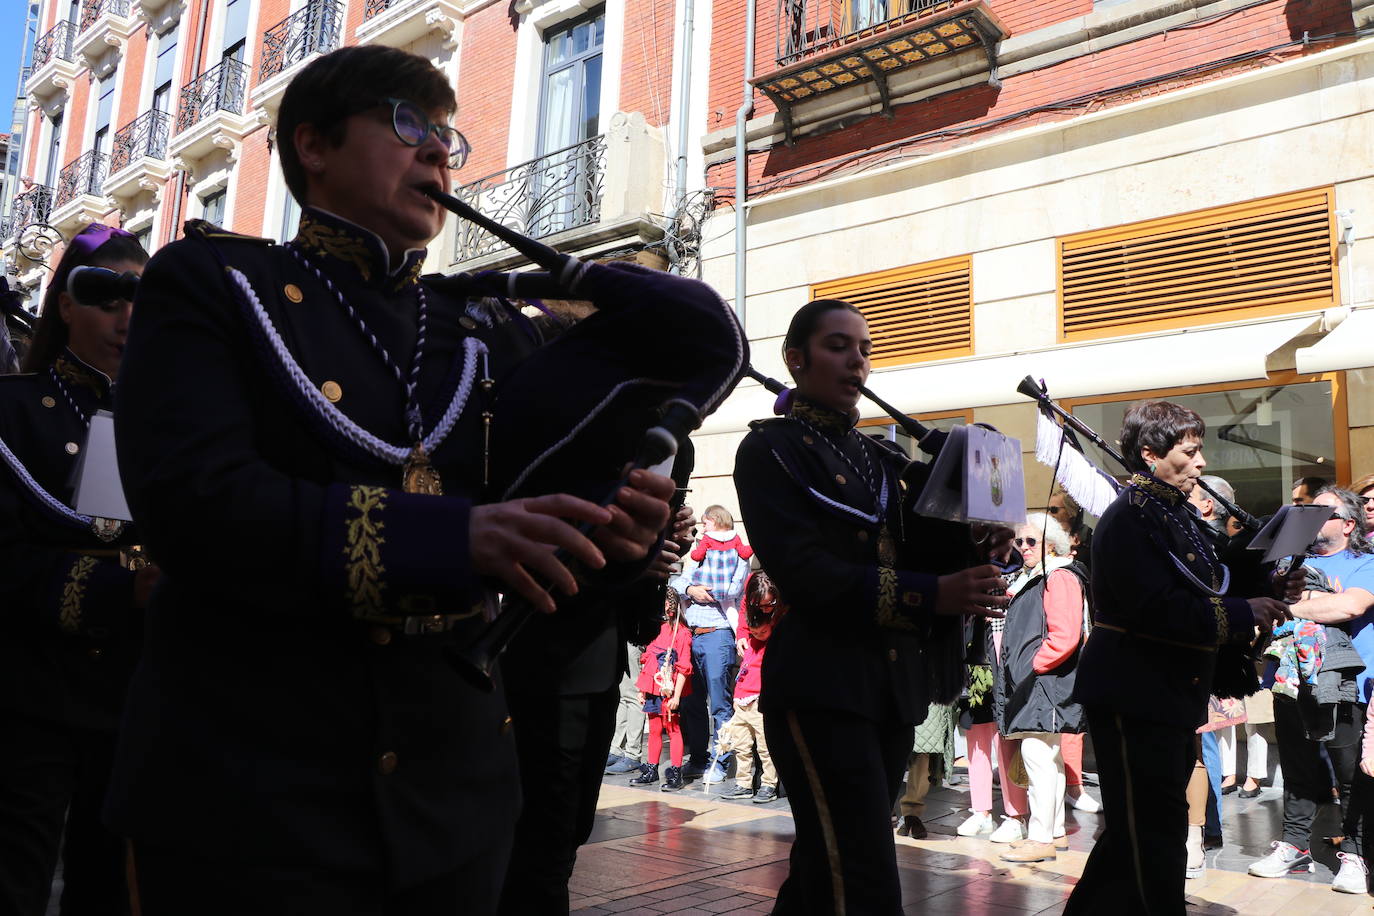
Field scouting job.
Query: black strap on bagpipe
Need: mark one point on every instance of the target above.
(624, 386)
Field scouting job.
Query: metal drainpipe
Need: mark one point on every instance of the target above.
(742, 158)
(197, 69)
(684, 111)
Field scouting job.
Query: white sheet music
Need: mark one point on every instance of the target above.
(99, 491)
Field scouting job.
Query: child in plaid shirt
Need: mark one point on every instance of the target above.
(722, 559)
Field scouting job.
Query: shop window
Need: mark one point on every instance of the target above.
(1265, 257)
(917, 313)
(1260, 437)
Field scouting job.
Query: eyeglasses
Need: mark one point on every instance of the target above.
(1029, 542)
(1364, 500)
(413, 127)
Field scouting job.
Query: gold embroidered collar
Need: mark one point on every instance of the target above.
(334, 240)
(74, 371)
(1157, 488)
(822, 418)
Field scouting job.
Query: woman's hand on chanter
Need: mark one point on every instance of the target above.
(980, 590)
(1269, 612)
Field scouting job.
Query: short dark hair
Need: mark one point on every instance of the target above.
(1350, 509)
(1158, 426)
(1314, 485)
(804, 322)
(50, 332)
(331, 88)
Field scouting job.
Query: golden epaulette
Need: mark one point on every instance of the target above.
(199, 228)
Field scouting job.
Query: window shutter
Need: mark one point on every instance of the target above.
(917, 313)
(1264, 257)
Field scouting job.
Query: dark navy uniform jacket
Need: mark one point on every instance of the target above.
(1157, 620)
(281, 713)
(70, 631)
(858, 631)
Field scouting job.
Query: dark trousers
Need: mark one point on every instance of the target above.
(51, 775)
(175, 882)
(561, 742)
(711, 702)
(1137, 866)
(1306, 781)
(843, 774)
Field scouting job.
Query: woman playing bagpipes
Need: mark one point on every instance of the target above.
(310, 436)
(874, 633)
(72, 606)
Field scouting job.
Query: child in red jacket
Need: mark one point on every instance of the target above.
(665, 677)
(760, 610)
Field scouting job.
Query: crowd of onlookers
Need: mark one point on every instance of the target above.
(1016, 728)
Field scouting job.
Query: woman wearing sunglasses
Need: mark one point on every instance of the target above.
(1033, 680)
(72, 608)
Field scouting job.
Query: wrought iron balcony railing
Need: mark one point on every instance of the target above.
(56, 44)
(561, 190)
(810, 26)
(92, 10)
(84, 175)
(377, 7)
(314, 27)
(33, 206)
(145, 135)
(221, 88)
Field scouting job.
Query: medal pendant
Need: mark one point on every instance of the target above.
(419, 476)
(107, 529)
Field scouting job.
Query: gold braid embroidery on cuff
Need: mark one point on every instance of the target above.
(73, 591)
(887, 601)
(1223, 621)
(363, 540)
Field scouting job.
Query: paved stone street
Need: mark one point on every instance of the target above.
(690, 853)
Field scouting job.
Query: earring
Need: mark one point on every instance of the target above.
(1153, 465)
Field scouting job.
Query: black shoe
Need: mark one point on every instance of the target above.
(765, 794)
(911, 826)
(672, 779)
(1213, 841)
(648, 775)
(1227, 790)
(1250, 793)
(737, 792)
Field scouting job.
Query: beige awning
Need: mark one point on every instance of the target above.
(1349, 346)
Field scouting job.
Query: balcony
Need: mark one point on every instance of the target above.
(105, 24)
(80, 197)
(398, 23)
(139, 160)
(31, 208)
(594, 195)
(210, 114)
(825, 47)
(314, 29)
(54, 64)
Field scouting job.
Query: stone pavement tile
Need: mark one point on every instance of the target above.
(763, 880)
(728, 904)
(715, 892)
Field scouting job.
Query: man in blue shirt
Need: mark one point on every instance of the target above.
(1342, 551)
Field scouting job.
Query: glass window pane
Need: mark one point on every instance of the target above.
(1258, 439)
(166, 57)
(235, 24)
(105, 104)
(591, 98)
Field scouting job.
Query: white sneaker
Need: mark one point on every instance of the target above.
(1284, 859)
(977, 823)
(1084, 802)
(1012, 830)
(1352, 877)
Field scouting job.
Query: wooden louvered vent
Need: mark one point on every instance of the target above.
(1264, 257)
(917, 313)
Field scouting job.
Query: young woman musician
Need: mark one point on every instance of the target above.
(844, 680)
(72, 609)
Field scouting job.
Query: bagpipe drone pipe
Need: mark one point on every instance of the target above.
(617, 391)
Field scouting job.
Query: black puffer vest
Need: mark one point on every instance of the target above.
(1024, 701)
